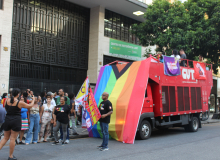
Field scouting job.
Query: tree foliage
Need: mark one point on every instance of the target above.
(193, 26)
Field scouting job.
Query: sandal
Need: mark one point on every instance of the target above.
(45, 141)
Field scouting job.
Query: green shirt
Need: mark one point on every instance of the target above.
(58, 101)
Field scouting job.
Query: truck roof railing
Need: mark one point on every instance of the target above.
(157, 56)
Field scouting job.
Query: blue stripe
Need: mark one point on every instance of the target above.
(103, 82)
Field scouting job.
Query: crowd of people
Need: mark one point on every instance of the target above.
(30, 118)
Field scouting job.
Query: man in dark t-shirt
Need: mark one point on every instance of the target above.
(182, 56)
(105, 109)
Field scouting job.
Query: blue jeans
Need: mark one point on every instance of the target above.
(104, 130)
(61, 133)
(33, 127)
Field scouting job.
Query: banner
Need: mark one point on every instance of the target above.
(126, 85)
(83, 92)
(200, 70)
(93, 114)
(171, 66)
(81, 97)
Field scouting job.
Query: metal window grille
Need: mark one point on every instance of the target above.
(198, 93)
(165, 101)
(119, 27)
(186, 98)
(180, 99)
(172, 99)
(193, 98)
(50, 41)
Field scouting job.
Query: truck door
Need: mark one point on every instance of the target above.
(148, 101)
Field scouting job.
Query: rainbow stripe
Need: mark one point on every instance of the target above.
(126, 84)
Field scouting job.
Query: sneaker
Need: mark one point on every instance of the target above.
(99, 147)
(67, 141)
(104, 149)
(55, 143)
(60, 140)
(63, 143)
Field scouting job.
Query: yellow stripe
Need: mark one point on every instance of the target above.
(113, 99)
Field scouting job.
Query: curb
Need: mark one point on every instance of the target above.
(72, 137)
(207, 122)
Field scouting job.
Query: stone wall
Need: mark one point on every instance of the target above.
(5, 33)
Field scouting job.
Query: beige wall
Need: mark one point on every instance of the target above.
(5, 32)
(99, 44)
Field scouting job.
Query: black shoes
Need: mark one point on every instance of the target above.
(55, 143)
(21, 142)
(14, 158)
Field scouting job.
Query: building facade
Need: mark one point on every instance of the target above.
(52, 44)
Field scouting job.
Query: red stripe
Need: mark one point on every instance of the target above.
(136, 102)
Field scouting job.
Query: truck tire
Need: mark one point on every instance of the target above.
(193, 125)
(144, 130)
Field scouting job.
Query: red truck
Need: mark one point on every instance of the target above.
(174, 101)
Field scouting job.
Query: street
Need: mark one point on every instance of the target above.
(173, 144)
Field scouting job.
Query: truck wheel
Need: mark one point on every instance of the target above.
(144, 130)
(193, 126)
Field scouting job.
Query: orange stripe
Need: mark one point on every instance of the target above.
(124, 98)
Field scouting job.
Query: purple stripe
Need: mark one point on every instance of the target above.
(99, 78)
(90, 133)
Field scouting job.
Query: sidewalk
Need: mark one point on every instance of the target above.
(210, 120)
(83, 132)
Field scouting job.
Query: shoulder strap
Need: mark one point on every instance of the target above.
(17, 104)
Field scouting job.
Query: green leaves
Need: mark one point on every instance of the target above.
(193, 26)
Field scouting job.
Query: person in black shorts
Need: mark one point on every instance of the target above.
(12, 124)
(105, 109)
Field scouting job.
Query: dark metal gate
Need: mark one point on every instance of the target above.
(49, 46)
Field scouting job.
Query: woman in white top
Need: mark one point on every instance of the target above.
(45, 119)
(175, 54)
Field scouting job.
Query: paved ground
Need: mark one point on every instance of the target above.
(174, 144)
(210, 120)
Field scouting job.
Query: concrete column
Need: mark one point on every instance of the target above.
(5, 41)
(96, 34)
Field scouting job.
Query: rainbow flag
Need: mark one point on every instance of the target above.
(126, 85)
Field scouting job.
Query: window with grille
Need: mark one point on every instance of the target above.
(119, 27)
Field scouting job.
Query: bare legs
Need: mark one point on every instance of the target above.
(21, 135)
(12, 135)
(5, 139)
